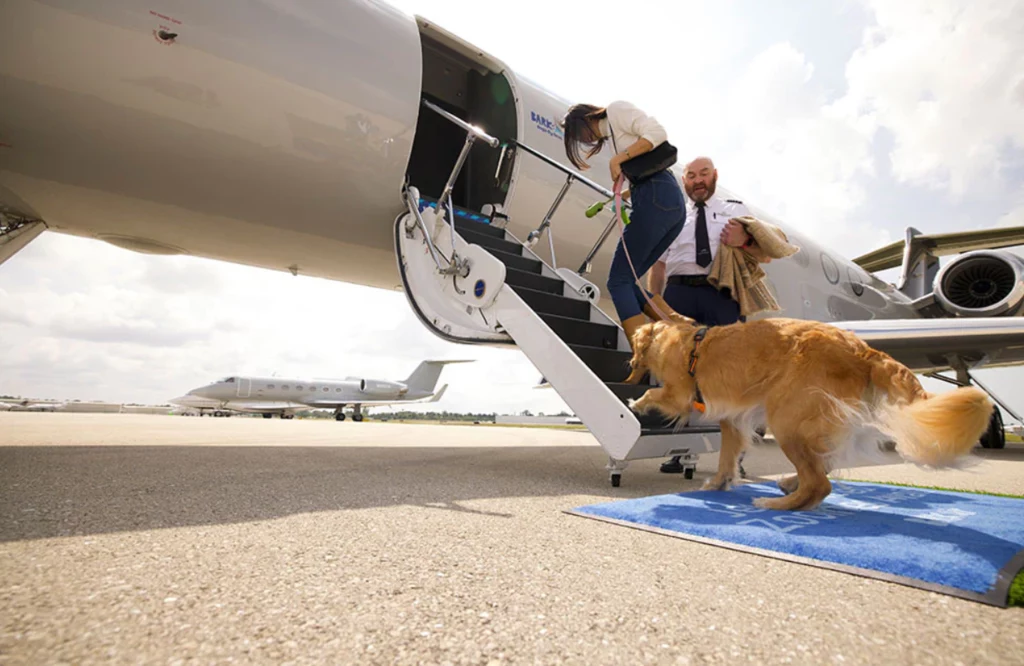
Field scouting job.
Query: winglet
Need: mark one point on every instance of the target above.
(437, 396)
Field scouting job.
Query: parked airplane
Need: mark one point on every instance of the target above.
(277, 395)
(25, 405)
(318, 138)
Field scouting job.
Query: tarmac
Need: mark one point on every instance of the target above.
(160, 539)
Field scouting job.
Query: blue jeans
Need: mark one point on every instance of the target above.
(659, 211)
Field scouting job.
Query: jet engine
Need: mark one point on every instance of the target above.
(380, 389)
(986, 283)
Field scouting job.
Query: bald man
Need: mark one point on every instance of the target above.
(680, 275)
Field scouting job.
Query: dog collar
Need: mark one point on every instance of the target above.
(698, 399)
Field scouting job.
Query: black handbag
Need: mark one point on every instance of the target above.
(640, 168)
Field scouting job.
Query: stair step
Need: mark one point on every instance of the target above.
(685, 430)
(580, 332)
(517, 261)
(518, 278)
(490, 242)
(655, 421)
(626, 392)
(545, 303)
(483, 228)
(608, 364)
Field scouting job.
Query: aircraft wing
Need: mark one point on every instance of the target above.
(940, 245)
(325, 404)
(927, 345)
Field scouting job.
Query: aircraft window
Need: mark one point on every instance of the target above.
(284, 386)
(327, 390)
(227, 380)
(828, 264)
(855, 282)
(337, 390)
(298, 388)
(270, 386)
(312, 388)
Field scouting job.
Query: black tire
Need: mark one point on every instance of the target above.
(995, 437)
(616, 480)
(688, 473)
(358, 418)
(339, 417)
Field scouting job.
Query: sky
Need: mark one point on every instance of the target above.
(849, 119)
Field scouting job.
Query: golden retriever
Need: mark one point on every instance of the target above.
(816, 387)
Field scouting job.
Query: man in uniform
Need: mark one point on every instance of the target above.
(680, 275)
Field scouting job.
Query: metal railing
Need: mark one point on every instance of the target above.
(453, 265)
(445, 207)
(570, 177)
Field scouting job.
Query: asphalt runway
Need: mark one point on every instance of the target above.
(157, 539)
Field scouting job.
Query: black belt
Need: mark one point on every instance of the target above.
(689, 280)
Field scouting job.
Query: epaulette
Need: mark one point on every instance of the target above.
(737, 201)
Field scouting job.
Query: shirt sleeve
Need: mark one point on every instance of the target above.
(627, 117)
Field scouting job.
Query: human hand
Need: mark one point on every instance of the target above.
(615, 167)
(733, 234)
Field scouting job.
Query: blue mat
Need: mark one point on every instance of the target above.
(962, 544)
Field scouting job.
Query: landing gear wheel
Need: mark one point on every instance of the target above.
(995, 436)
(339, 417)
(357, 418)
(688, 473)
(616, 480)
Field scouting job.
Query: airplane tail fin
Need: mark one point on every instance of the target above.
(437, 396)
(424, 377)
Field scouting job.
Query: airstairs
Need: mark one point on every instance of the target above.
(471, 281)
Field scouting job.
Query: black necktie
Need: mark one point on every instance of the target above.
(701, 234)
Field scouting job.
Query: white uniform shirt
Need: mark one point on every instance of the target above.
(629, 125)
(681, 256)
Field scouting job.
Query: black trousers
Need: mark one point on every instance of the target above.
(704, 303)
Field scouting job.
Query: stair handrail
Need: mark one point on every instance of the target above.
(571, 176)
(444, 203)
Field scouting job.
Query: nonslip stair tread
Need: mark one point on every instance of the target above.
(582, 332)
(482, 228)
(685, 430)
(517, 278)
(517, 261)
(474, 237)
(545, 302)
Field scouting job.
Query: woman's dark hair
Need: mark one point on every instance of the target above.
(576, 126)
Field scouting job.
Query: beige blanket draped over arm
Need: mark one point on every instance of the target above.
(739, 270)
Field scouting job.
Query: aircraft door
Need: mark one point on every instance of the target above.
(244, 387)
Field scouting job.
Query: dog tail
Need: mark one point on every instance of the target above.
(938, 430)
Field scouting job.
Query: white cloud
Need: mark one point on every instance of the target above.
(946, 77)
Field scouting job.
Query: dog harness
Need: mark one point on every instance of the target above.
(698, 400)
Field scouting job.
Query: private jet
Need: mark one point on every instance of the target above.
(276, 395)
(354, 142)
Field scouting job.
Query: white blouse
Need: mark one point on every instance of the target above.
(630, 124)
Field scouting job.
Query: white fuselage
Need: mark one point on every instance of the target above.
(279, 135)
(306, 393)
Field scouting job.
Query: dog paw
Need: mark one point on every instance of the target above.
(638, 406)
(717, 483)
(765, 502)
